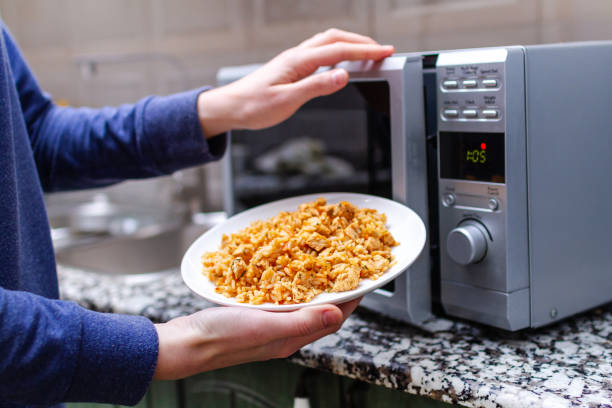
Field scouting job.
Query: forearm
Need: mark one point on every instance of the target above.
(81, 147)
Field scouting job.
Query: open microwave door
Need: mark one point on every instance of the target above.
(408, 298)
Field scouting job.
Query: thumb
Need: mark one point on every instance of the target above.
(308, 321)
(320, 84)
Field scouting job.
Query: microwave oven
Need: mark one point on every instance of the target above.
(504, 152)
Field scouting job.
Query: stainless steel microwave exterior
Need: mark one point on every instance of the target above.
(524, 180)
(544, 227)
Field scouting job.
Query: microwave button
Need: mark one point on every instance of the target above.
(470, 83)
(493, 204)
(470, 113)
(489, 83)
(490, 113)
(448, 199)
(450, 84)
(451, 113)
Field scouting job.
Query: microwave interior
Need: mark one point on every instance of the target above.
(339, 142)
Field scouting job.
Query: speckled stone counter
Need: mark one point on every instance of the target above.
(565, 365)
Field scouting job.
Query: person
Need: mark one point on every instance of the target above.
(55, 351)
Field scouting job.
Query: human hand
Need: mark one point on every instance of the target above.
(276, 90)
(225, 336)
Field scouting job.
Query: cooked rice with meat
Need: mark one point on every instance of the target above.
(294, 256)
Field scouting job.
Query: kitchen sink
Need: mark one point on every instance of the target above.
(92, 221)
(150, 254)
(120, 240)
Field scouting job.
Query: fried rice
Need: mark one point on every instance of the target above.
(297, 255)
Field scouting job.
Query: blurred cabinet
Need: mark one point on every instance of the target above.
(161, 394)
(272, 384)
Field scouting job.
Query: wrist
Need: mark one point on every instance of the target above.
(218, 111)
(179, 348)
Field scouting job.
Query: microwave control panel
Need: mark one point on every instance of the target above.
(471, 167)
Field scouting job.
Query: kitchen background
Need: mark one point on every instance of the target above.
(96, 53)
(93, 53)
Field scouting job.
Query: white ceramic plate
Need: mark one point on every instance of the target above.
(405, 225)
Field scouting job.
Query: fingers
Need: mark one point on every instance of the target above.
(285, 333)
(320, 84)
(251, 328)
(309, 324)
(310, 320)
(291, 345)
(331, 54)
(334, 35)
(306, 332)
(348, 307)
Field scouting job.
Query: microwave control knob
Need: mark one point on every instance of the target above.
(467, 244)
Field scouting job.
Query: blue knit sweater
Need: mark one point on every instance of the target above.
(50, 350)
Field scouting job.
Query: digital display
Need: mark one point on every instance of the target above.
(472, 156)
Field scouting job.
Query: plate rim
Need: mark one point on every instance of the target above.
(340, 297)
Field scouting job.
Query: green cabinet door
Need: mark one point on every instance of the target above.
(276, 384)
(161, 394)
(272, 384)
(269, 384)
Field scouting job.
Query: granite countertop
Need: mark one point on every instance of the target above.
(565, 365)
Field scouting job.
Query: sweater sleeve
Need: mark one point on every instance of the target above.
(60, 349)
(82, 147)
